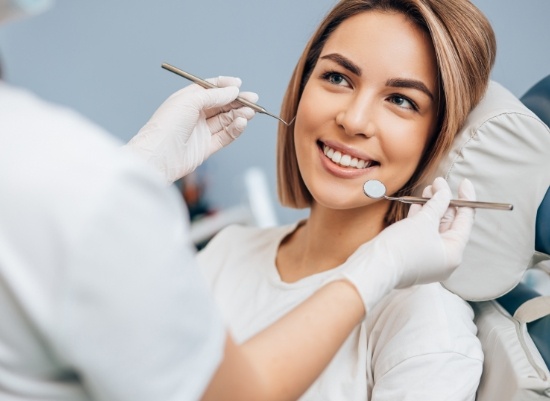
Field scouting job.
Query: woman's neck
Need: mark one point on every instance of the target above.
(327, 239)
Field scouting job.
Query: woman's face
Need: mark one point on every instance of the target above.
(367, 110)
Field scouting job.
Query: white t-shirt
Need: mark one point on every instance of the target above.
(100, 296)
(417, 344)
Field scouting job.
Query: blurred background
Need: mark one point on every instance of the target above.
(103, 59)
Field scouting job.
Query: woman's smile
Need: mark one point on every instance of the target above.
(345, 162)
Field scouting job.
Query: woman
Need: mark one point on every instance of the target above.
(379, 92)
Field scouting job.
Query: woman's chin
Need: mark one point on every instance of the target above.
(342, 202)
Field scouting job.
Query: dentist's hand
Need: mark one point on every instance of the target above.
(425, 247)
(191, 125)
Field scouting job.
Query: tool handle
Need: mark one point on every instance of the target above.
(208, 85)
(459, 202)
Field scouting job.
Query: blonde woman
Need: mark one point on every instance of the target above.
(379, 93)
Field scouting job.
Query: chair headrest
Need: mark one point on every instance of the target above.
(504, 150)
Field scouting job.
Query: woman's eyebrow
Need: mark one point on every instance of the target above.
(393, 82)
(344, 62)
(410, 83)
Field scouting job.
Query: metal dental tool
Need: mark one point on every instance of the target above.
(377, 190)
(208, 85)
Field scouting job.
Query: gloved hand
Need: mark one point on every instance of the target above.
(425, 247)
(191, 125)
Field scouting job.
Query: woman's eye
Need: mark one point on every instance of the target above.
(335, 78)
(403, 102)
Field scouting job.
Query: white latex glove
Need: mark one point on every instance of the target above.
(191, 125)
(425, 247)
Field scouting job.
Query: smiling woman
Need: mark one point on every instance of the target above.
(371, 100)
(380, 91)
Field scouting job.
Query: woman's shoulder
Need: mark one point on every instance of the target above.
(240, 242)
(428, 300)
(240, 254)
(251, 234)
(422, 320)
(423, 307)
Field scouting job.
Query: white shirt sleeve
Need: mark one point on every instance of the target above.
(100, 294)
(424, 347)
(430, 377)
(135, 314)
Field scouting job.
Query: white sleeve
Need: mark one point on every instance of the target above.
(136, 319)
(426, 347)
(430, 377)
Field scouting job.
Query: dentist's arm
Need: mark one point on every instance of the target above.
(191, 125)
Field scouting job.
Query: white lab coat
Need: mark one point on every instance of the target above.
(100, 297)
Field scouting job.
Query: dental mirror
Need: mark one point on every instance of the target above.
(375, 189)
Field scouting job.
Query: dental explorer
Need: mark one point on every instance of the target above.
(208, 85)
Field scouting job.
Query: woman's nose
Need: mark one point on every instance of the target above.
(357, 117)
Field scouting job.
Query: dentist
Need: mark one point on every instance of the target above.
(100, 296)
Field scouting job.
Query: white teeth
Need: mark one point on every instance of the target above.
(343, 159)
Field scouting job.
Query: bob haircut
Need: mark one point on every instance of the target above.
(465, 49)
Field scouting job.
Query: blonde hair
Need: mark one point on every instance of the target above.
(465, 49)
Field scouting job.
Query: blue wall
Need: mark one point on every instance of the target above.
(103, 59)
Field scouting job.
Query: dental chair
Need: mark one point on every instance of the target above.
(514, 329)
(537, 99)
(504, 149)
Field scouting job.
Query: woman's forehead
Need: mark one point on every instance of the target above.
(387, 41)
